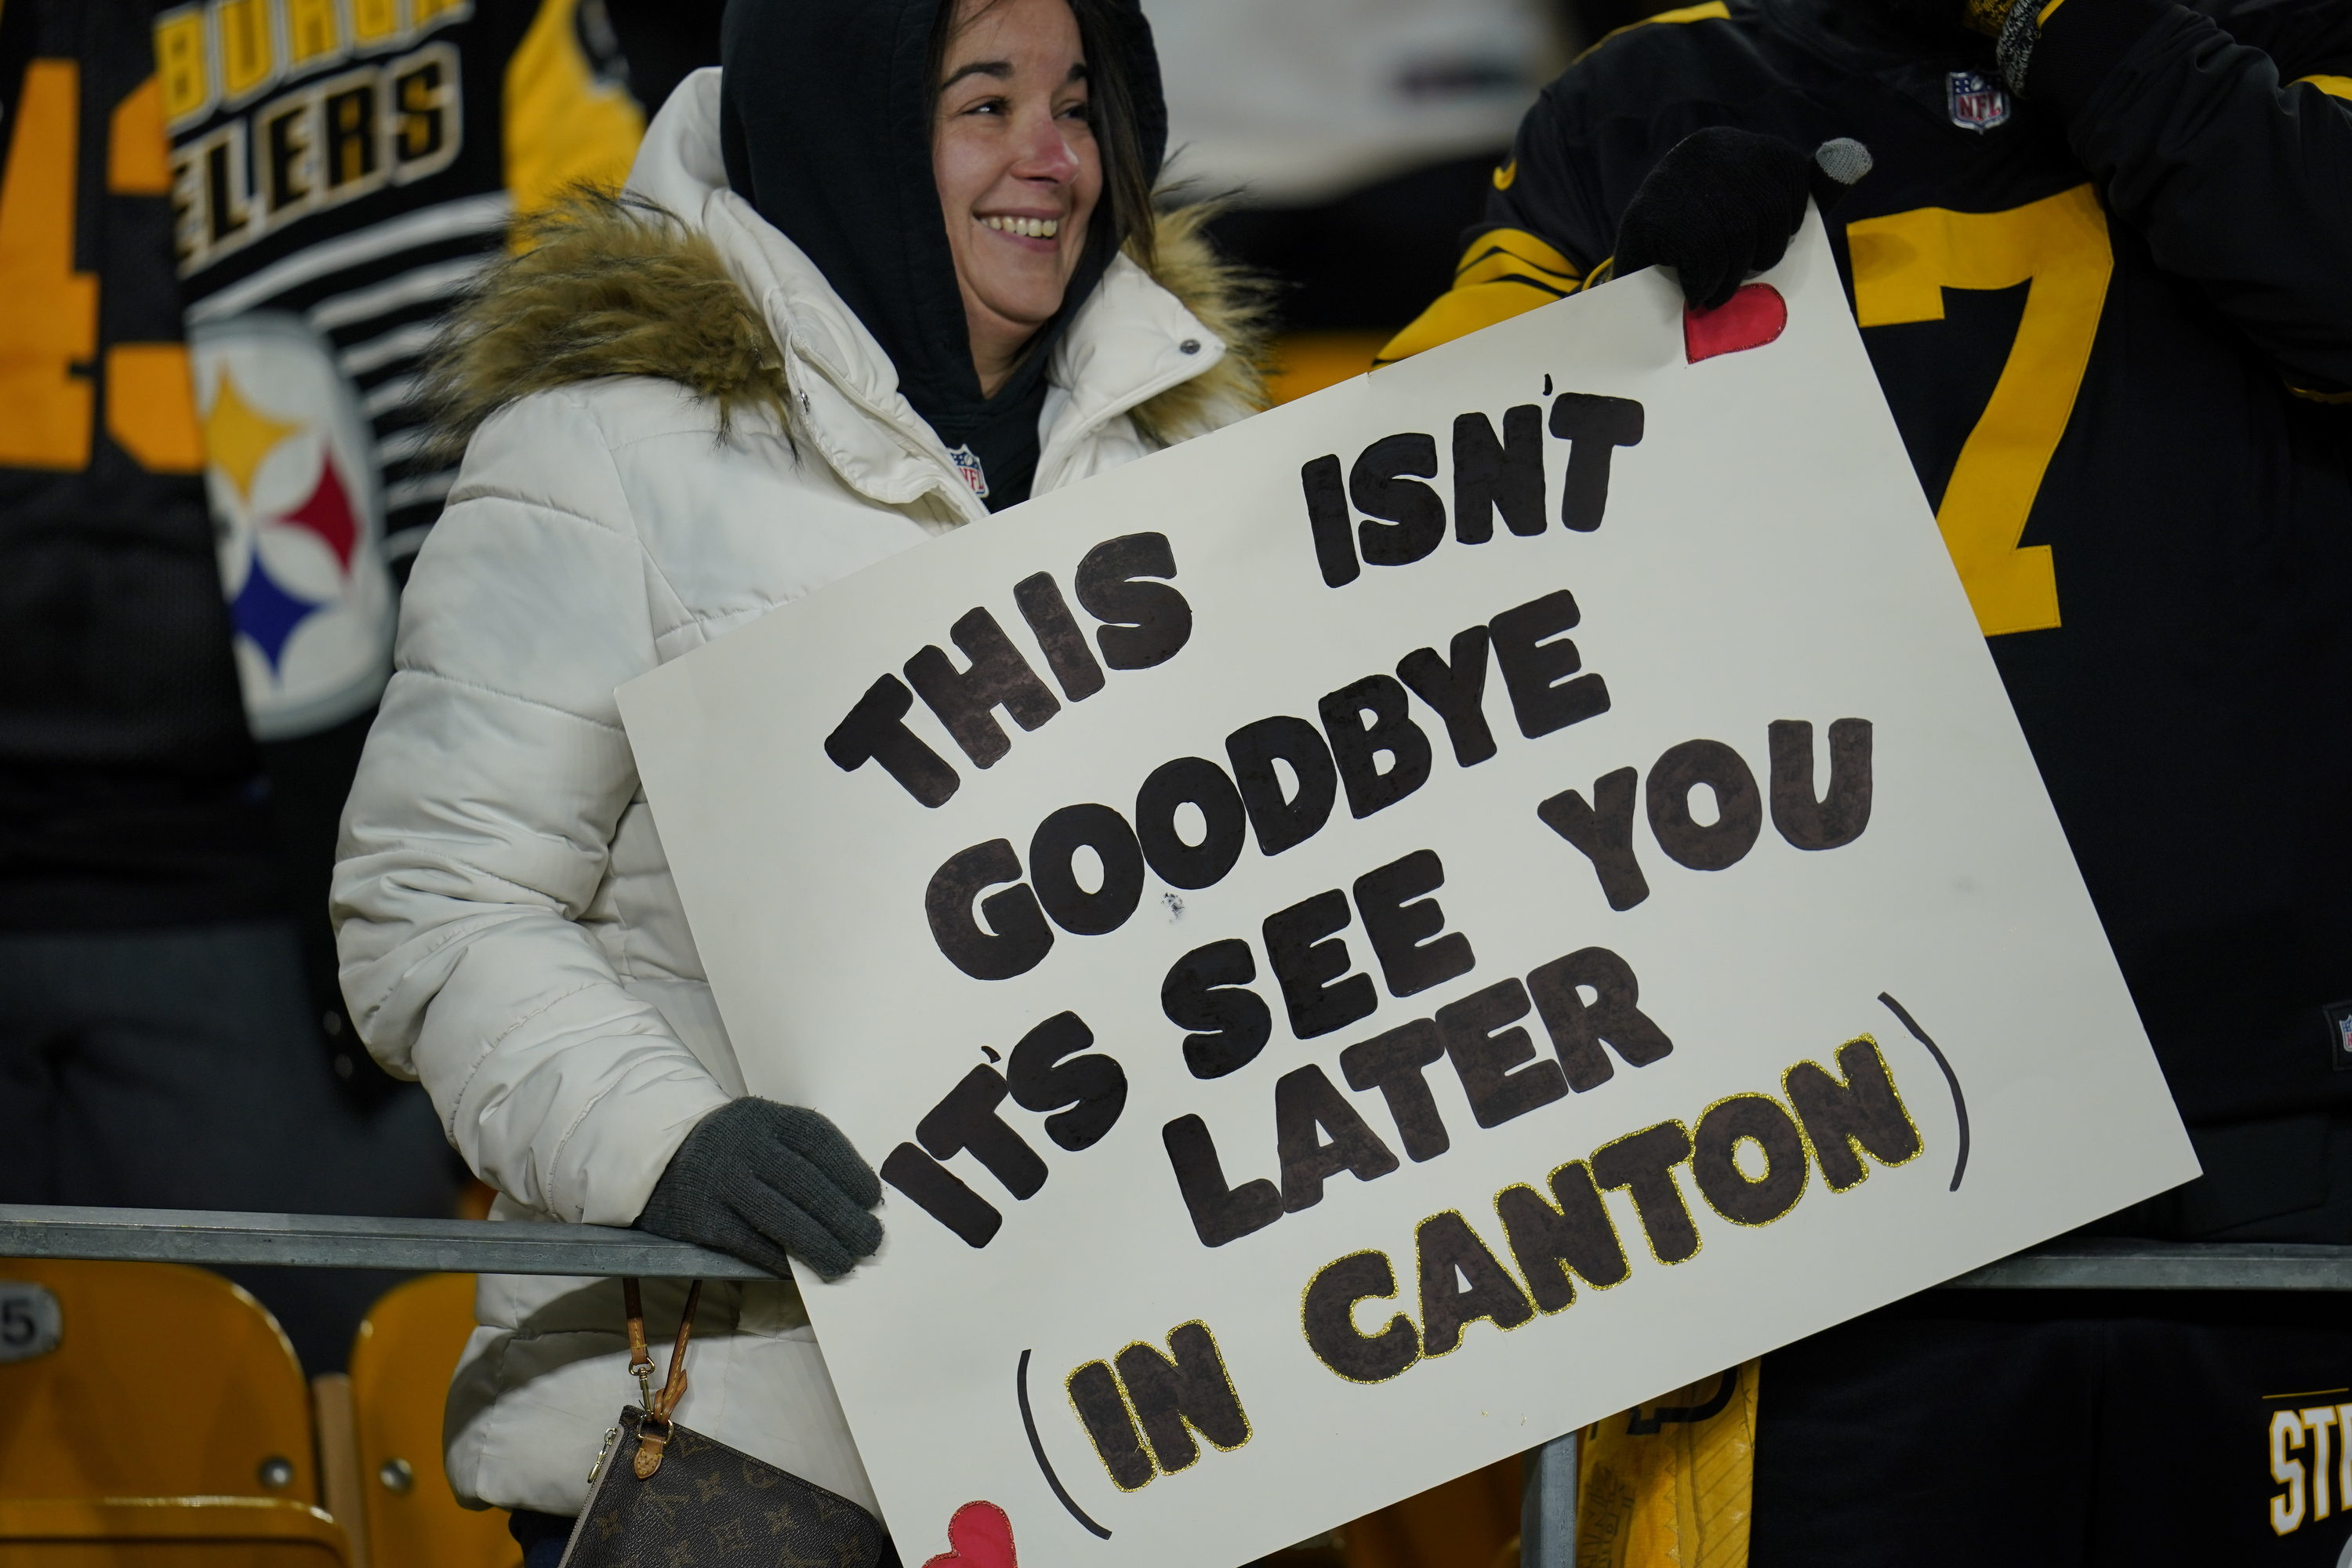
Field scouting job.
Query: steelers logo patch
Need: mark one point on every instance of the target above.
(291, 466)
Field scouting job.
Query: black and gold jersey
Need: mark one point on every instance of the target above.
(126, 772)
(294, 190)
(2114, 324)
(356, 164)
(2050, 1429)
(341, 171)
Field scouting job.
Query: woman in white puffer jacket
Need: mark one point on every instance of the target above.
(808, 337)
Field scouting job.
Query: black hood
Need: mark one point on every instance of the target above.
(824, 120)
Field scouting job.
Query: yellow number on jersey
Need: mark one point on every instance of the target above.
(50, 321)
(1902, 264)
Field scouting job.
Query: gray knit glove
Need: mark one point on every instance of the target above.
(761, 1179)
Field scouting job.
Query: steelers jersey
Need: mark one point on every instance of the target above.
(125, 767)
(2114, 324)
(340, 169)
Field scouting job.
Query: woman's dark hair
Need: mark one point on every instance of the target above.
(1124, 215)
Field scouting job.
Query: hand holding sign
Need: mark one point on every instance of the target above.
(1347, 992)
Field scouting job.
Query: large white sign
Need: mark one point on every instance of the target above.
(1364, 942)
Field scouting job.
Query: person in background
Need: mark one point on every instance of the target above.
(894, 266)
(157, 1047)
(2101, 254)
(339, 176)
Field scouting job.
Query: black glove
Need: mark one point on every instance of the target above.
(760, 1180)
(1725, 203)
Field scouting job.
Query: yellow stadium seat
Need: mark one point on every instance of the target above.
(168, 1532)
(401, 1365)
(163, 1382)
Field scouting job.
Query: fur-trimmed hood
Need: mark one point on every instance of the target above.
(631, 285)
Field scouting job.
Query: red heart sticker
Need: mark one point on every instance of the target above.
(1748, 320)
(981, 1536)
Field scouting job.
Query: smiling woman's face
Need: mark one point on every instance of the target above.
(1017, 167)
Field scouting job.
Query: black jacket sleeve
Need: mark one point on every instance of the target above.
(1542, 191)
(2238, 174)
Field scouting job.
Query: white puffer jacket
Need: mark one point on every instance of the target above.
(508, 929)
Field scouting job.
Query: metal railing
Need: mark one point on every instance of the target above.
(207, 1236)
(210, 1238)
(1548, 1509)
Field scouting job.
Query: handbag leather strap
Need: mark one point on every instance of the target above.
(657, 1406)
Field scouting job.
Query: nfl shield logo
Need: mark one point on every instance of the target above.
(967, 462)
(1977, 104)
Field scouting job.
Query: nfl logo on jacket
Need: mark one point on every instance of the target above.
(1977, 104)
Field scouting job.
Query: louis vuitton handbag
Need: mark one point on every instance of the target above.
(662, 1494)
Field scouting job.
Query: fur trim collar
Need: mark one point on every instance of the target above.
(618, 285)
